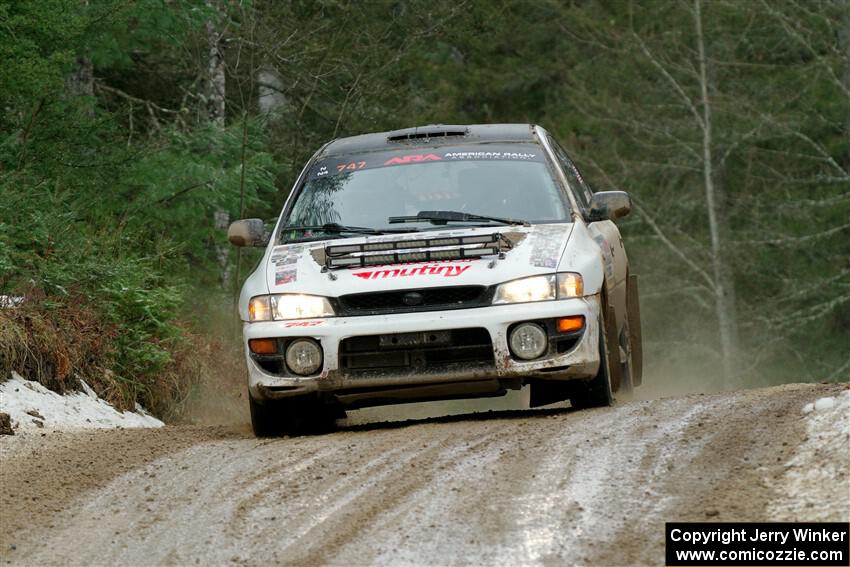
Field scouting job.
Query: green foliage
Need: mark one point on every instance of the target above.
(106, 204)
(36, 47)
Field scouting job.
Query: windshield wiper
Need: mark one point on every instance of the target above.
(336, 228)
(442, 217)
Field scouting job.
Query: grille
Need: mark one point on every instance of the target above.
(432, 299)
(415, 352)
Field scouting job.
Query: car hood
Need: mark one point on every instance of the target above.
(299, 267)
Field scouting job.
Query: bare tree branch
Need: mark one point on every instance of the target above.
(794, 240)
(670, 79)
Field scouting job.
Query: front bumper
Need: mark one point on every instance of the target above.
(581, 361)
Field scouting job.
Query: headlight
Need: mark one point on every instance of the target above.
(537, 288)
(540, 288)
(288, 306)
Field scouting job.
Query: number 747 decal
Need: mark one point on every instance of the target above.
(353, 166)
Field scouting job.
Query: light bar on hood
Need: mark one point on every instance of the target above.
(420, 250)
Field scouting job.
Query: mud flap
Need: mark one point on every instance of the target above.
(635, 336)
(612, 343)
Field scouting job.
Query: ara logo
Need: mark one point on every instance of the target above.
(398, 160)
(448, 271)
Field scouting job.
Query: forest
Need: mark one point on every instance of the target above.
(133, 132)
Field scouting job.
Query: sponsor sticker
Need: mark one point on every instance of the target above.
(285, 275)
(415, 158)
(546, 245)
(345, 165)
(490, 155)
(285, 260)
(447, 270)
(607, 254)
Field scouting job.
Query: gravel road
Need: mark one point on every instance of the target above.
(547, 487)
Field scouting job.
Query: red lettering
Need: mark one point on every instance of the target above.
(458, 270)
(400, 160)
(449, 270)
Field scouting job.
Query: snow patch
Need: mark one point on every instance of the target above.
(819, 405)
(815, 484)
(32, 406)
(10, 301)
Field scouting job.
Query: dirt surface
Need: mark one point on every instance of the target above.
(548, 487)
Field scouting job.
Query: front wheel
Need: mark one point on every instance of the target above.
(290, 416)
(265, 420)
(596, 392)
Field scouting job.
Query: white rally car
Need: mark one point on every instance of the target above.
(434, 263)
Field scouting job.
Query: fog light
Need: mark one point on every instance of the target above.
(571, 324)
(528, 341)
(303, 357)
(263, 346)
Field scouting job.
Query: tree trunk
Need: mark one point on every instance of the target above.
(215, 75)
(270, 97)
(80, 81)
(844, 50)
(725, 307)
(215, 97)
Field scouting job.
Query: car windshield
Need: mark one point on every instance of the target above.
(510, 181)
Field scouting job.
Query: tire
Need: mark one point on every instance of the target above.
(291, 416)
(265, 420)
(626, 389)
(596, 392)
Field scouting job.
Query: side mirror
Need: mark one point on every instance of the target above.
(248, 232)
(609, 205)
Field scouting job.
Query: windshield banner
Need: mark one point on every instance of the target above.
(335, 165)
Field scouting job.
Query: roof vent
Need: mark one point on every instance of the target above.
(427, 132)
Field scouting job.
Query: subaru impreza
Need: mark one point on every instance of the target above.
(432, 263)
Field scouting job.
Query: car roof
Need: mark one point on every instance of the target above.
(431, 135)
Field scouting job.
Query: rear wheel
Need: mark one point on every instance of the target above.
(597, 391)
(290, 416)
